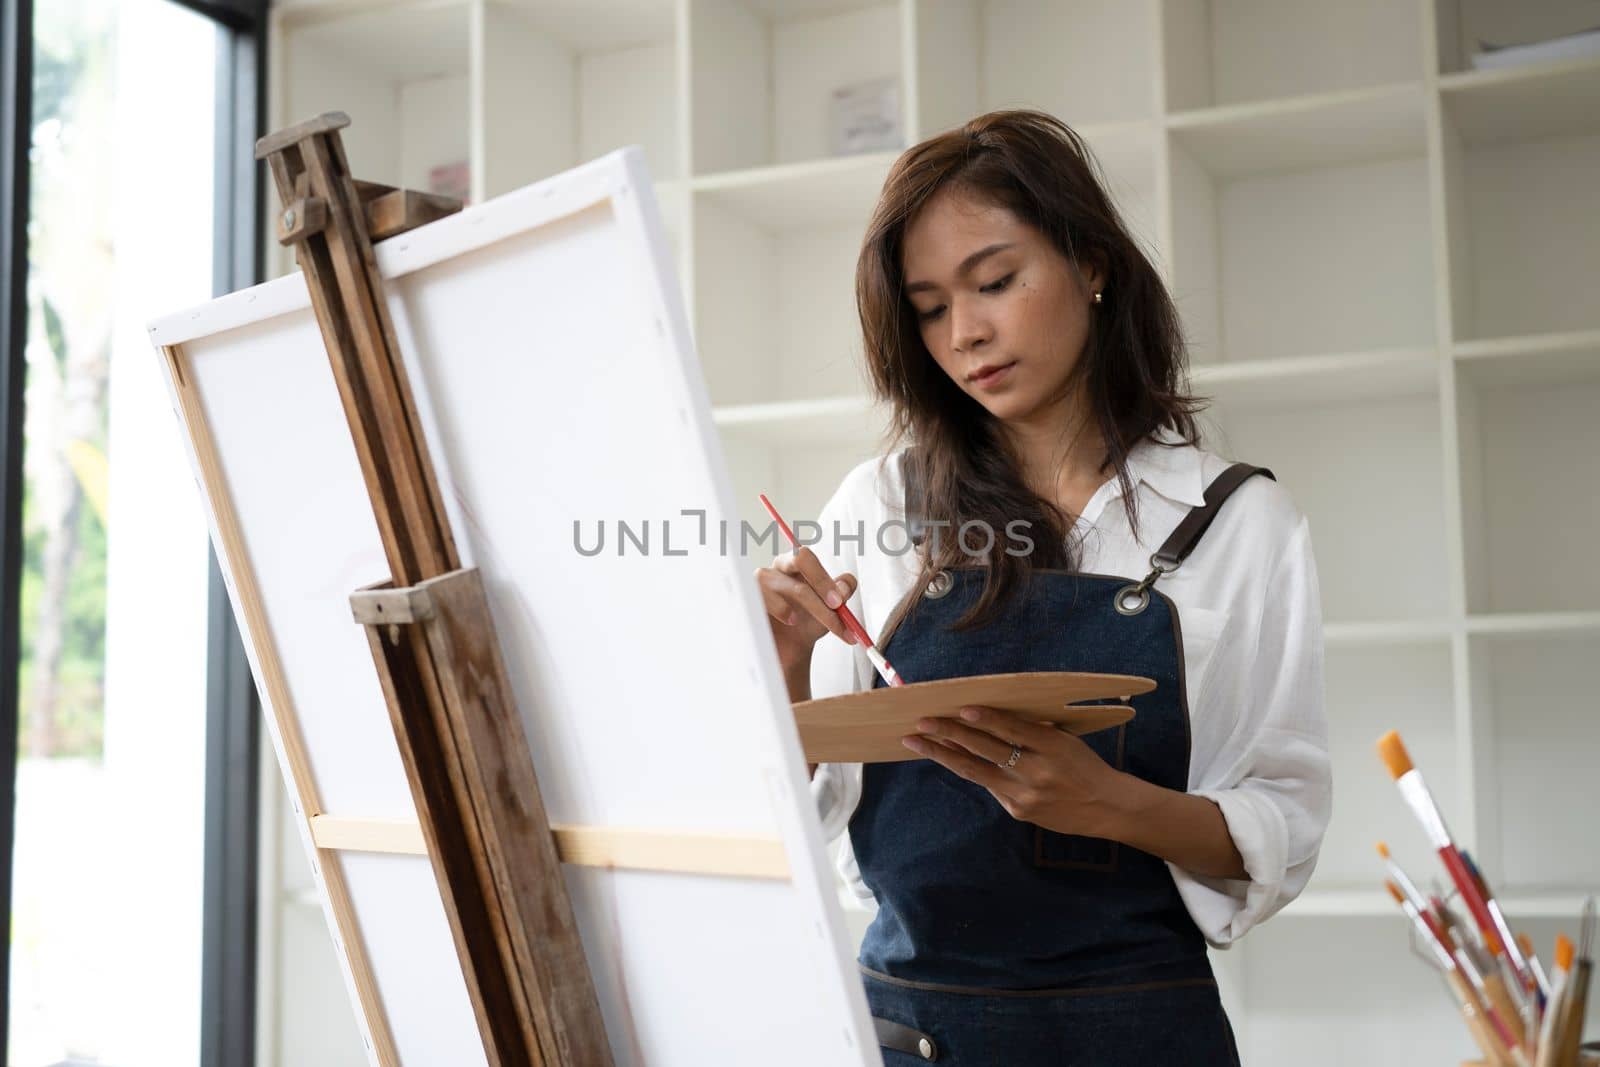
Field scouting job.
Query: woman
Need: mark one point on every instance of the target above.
(1044, 898)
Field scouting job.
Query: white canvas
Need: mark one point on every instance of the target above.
(551, 362)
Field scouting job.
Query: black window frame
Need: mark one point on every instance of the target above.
(16, 114)
(228, 995)
(228, 971)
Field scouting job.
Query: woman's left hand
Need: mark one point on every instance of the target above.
(1058, 782)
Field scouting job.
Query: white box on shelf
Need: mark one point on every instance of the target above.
(452, 179)
(865, 117)
(1573, 46)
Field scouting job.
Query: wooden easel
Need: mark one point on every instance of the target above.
(450, 702)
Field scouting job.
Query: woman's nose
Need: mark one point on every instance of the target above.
(968, 329)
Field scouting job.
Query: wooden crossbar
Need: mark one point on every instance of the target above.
(725, 855)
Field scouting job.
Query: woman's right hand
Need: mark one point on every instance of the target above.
(800, 598)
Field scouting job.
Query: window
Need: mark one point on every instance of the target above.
(109, 835)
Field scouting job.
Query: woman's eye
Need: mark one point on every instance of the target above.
(996, 286)
(931, 313)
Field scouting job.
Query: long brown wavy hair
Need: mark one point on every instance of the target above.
(1134, 366)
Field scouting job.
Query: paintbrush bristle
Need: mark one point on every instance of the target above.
(1564, 952)
(1394, 754)
(1383, 850)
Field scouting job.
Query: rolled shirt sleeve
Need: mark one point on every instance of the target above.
(1270, 775)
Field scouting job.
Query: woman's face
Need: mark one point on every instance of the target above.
(1002, 311)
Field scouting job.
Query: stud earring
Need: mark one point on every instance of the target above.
(1099, 298)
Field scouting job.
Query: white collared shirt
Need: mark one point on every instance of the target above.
(1251, 619)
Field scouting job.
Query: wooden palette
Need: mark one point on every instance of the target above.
(866, 727)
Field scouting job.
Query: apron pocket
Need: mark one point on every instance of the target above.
(1069, 852)
(1072, 852)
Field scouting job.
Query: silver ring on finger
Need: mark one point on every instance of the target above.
(1016, 754)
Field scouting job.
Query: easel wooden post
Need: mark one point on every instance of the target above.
(433, 639)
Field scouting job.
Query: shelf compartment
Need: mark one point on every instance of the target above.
(1533, 695)
(1368, 475)
(775, 312)
(1529, 486)
(479, 98)
(1221, 52)
(1085, 61)
(559, 84)
(1520, 152)
(1088, 62)
(1370, 691)
(762, 75)
(1338, 257)
(402, 75)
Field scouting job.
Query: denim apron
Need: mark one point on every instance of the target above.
(998, 942)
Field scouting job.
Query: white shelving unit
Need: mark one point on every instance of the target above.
(1386, 261)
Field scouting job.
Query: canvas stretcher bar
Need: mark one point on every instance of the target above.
(348, 942)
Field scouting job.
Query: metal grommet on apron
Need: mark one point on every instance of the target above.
(1133, 599)
(939, 585)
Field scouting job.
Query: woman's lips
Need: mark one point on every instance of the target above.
(994, 377)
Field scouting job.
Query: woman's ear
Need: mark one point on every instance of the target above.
(1092, 268)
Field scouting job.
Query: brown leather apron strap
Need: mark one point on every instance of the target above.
(911, 478)
(893, 1035)
(1194, 525)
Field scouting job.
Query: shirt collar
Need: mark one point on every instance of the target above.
(1169, 467)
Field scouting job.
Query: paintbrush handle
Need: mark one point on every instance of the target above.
(1573, 1011)
(1493, 1049)
(1549, 1032)
(1499, 997)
